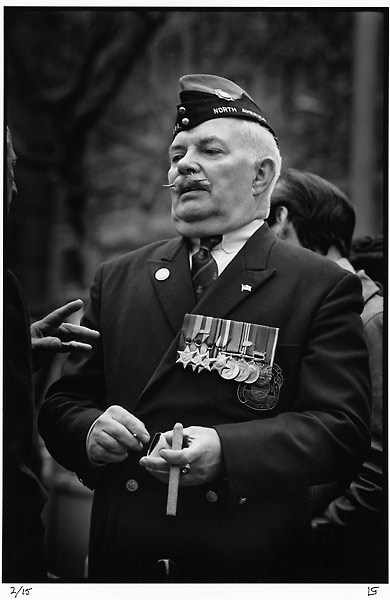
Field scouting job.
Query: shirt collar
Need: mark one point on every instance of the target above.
(345, 264)
(369, 287)
(234, 240)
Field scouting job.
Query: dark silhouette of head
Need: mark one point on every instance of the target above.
(313, 210)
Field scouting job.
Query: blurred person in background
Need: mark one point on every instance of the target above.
(367, 254)
(189, 331)
(349, 522)
(25, 349)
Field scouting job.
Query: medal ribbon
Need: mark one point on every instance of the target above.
(233, 346)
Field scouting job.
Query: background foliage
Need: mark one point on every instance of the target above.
(91, 99)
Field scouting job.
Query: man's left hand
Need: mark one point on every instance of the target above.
(51, 335)
(201, 455)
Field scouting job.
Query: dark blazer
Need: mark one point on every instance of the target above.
(351, 531)
(318, 428)
(23, 494)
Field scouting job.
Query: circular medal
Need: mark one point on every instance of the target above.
(254, 372)
(244, 371)
(231, 370)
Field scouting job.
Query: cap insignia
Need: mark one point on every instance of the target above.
(221, 94)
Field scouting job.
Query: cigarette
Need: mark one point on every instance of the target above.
(192, 179)
(174, 472)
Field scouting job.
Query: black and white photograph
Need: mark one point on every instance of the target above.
(194, 288)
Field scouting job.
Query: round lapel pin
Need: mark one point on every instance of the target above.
(162, 274)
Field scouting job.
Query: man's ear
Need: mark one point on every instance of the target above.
(281, 215)
(265, 173)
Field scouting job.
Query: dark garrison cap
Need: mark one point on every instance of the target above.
(205, 97)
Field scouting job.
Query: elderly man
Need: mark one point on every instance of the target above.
(230, 333)
(349, 516)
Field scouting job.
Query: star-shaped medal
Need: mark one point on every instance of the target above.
(197, 361)
(185, 356)
(220, 362)
(206, 361)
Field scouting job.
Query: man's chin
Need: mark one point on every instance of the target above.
(196, 227)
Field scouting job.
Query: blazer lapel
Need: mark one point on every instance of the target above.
(247, 269)
(172, 282)
(242, 277)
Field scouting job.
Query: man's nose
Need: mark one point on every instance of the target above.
(188, 163)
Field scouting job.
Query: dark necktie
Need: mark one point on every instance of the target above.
(204, 269)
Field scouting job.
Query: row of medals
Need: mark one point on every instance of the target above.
(229, 365)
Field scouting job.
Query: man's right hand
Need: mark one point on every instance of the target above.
(113, 434)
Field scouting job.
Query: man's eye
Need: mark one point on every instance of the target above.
(175, 158)
(213, 151)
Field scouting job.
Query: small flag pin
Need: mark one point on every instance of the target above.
(246, 288)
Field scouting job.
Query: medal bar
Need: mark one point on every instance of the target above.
(239, 351)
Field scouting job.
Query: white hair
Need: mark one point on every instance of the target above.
(261, 143)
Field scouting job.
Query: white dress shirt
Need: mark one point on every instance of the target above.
(231, 244)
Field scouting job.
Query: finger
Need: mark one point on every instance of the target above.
(105, 441)
(154, 464)
(69, 331)
(101, 448)
(118, 432)
(130, 422)
(55, 318)
(187, 436)
(46, 345)
(169, 436)
(177, 457)
(74, 347)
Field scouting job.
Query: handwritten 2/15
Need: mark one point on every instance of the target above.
(22, 590)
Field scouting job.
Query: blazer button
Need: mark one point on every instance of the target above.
(132, 485)
(211, 496)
